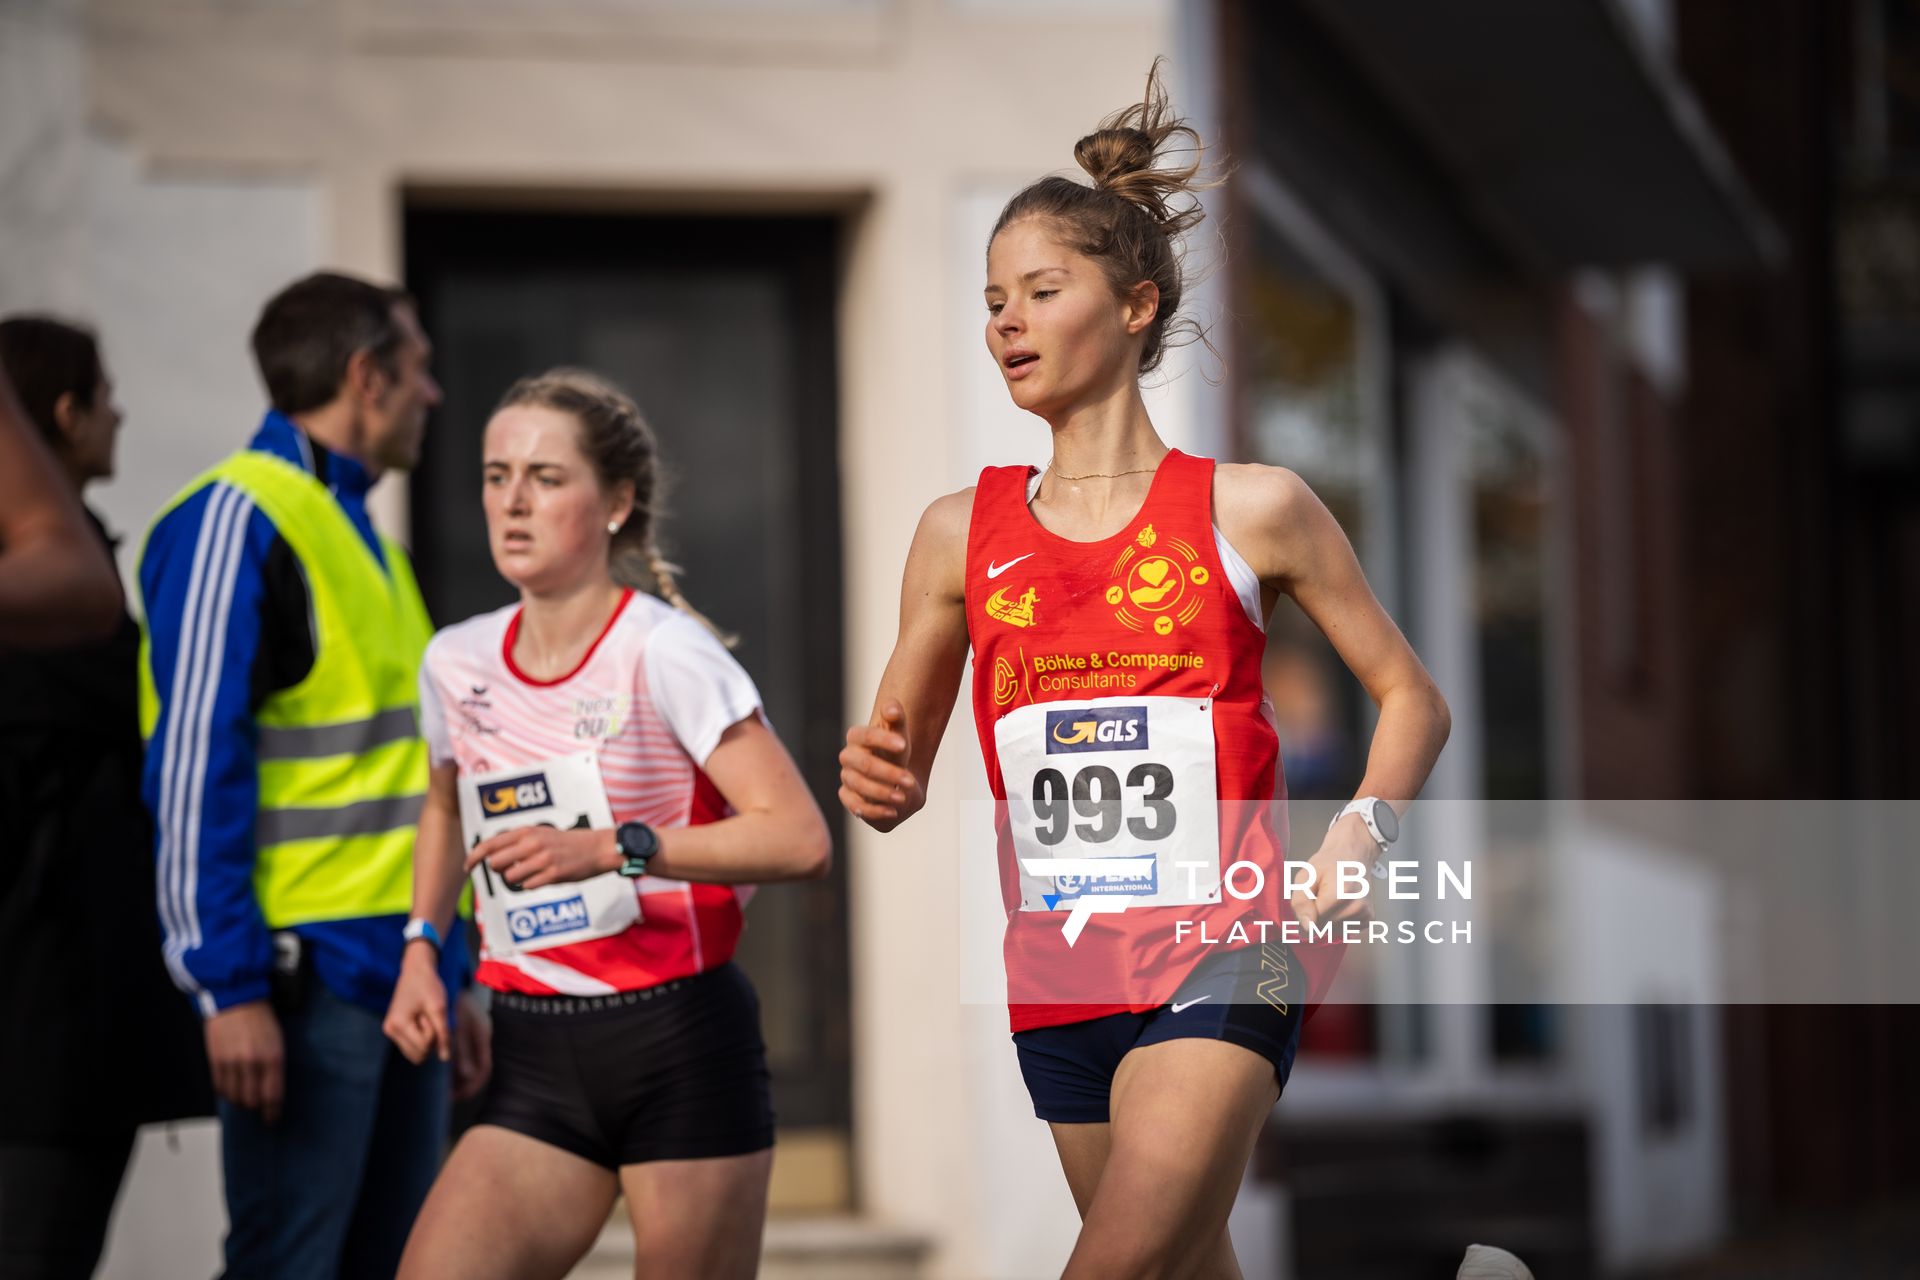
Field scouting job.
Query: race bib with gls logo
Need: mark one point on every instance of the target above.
(565, 793)
(1115, 797)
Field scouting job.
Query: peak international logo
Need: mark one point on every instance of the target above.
(1094, 886)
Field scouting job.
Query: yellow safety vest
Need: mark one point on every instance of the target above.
(343, 770)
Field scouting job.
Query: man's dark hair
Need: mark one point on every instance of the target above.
(309, 330)
(45, 359)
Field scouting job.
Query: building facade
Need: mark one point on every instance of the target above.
(1528, 292)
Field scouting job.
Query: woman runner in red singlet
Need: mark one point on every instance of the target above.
(1115, 606)
(602, 767)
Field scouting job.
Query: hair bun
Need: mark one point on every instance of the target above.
(1111, 155)
(1145, 162)
(1149, 157)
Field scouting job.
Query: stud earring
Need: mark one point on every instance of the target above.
(613, 526)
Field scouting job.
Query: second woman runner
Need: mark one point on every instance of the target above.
(603, 763)
(1115, 606)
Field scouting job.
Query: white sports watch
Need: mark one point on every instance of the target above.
(1383, 824)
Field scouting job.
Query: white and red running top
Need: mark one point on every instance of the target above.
(651, 698)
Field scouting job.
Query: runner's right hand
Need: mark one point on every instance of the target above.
(472, 1048)
(875, 784)
(416, 1019)
(248, 1057)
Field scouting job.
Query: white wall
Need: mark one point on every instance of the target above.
(179, 267)
(43, 100)
(1640, 924)
(170, 269)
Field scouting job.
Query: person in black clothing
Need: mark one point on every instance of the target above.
(97, 1040)
(57, 584)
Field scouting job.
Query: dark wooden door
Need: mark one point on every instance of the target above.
(722, 329)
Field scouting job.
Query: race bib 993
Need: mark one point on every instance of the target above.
(1129, 782)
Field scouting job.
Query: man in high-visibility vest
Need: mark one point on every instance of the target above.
(284, 772)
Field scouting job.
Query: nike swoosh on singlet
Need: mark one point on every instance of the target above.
(995, 570)
(1175, 1008)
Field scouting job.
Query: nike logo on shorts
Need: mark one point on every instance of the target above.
(1175, 1008)
(995, 570)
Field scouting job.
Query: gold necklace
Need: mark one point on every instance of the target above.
(1102, 475)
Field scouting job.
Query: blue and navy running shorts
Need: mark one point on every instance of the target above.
(1253, 996)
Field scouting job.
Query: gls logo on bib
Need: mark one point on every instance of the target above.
(1097, 729)
(516, 795)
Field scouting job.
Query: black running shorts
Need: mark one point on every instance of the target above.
(1250, 996)
(674, 1072)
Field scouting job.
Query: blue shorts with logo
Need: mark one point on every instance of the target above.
(1253, 996)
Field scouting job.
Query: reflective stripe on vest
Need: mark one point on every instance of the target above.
(349, 737)
(342, 769)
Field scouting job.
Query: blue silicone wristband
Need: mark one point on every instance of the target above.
(418, 928)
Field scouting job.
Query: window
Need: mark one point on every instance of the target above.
(1311, 376)
(1301, 361)
(1507, 473)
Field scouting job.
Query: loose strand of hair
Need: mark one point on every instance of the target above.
(666, 575)
(1155, 184)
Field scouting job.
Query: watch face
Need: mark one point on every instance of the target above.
(637, 840)
(1387, 820)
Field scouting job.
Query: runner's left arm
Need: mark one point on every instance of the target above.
(708, 701)
(776, 831)
(1295, 545)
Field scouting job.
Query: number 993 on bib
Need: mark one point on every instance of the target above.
(1126, 780)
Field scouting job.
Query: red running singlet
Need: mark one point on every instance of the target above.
(1117, 692)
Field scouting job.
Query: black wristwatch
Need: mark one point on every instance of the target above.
(637, 844)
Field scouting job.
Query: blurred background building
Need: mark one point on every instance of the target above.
(1596, 323)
